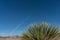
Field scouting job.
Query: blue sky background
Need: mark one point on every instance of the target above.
(16, 15)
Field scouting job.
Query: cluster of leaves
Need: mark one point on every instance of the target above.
(40, 32)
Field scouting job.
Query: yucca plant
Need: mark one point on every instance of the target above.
(40, 32)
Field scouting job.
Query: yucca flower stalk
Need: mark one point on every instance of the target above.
(40, 32)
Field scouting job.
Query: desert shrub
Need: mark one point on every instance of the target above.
(40, 32)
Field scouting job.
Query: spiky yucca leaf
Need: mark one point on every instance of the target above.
(40, 32)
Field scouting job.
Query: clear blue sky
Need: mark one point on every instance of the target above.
(16, 15)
